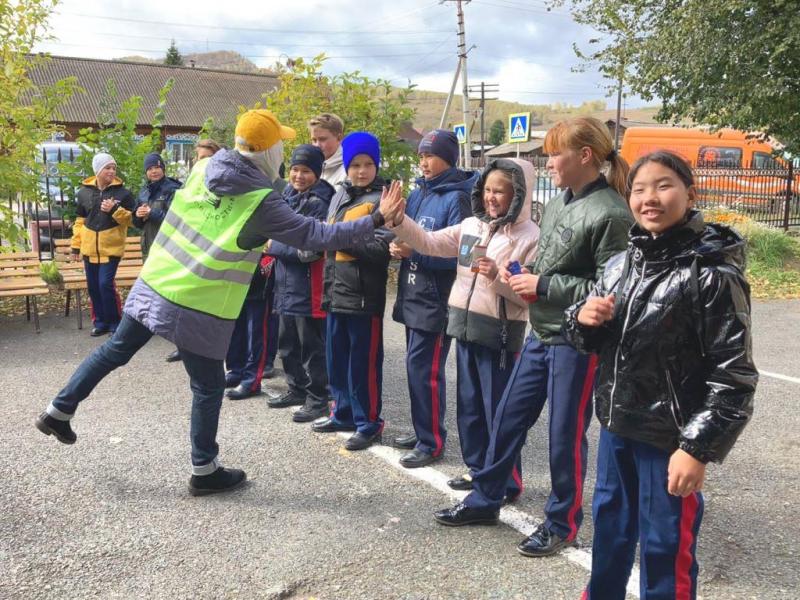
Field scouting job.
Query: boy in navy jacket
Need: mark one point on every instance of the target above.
(298, 294)
(441, 199)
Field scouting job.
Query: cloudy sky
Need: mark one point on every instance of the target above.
(519, 44)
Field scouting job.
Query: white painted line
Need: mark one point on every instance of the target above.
(511, 516)
(779, 376)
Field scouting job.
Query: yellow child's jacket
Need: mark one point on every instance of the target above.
(98, 235)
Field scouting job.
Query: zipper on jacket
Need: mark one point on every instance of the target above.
(673, 401)
(637, 255)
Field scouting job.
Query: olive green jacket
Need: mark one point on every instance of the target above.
(578, 235)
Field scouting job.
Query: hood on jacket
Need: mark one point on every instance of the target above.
(709, 243)
(231, 174)
(92, 181)
(522, 179)
(321, 188)
(335, 161)
(453, 179)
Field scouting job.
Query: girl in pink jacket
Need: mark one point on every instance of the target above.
(486, 317)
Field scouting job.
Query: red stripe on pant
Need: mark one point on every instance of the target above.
(518, 480)
(586, 394)
(684, 559)
(435, 400)
(263, 360)
(373, 371)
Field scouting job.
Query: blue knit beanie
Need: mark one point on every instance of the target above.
(309, 156)
(361, 142)
(153, 160)
(442, 143)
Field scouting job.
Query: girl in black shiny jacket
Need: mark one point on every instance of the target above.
(670, 321)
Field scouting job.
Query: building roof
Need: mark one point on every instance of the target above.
(511, 149)
(196, 95)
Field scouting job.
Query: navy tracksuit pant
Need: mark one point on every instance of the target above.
(301, 345)
(631, 504)
(106, 305)
(426, 355)
(480, 382)
(355, 370)
(254, 344)
(566, 377)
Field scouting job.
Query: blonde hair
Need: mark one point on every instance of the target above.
(328, 121)
(588, 132)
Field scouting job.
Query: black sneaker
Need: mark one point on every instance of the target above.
(61, 430)
(174, 356)
(221, 480)
(543, 542)
(285, 400)
(306, 414)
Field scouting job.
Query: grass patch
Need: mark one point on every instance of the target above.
(773, 256)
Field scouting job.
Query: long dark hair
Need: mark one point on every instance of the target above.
(667, 159)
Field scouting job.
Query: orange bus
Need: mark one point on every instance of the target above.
(731, 167)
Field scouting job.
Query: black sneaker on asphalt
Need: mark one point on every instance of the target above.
(285, 400)
(306, 414)
(61, 430)
(221, 480)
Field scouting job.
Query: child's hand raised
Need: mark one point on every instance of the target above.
(392, 205)
(685, 474)
(596, 311)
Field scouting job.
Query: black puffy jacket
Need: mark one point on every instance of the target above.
(355, 277)
(675, 363)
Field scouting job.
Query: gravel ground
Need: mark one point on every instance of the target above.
(110, 517)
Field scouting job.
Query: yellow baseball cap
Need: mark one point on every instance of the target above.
(258, 130)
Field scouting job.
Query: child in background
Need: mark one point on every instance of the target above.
(486, 317)
(327, 131)
(298, 294)
(355, 298)
(441, 199)
(254, 341)
(670, 320)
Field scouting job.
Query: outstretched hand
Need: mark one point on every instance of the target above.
(392, 205)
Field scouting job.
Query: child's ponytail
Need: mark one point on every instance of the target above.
(618, 174)
(582, 132)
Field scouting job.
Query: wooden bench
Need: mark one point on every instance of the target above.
(19, 276)
(75, 277)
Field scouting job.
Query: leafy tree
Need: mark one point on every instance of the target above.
(26, 110)
(724, 63)
(363, 104)
(117, 136)
(497, 133)
(174, 57)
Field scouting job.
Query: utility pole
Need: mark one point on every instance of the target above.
(492, 88)
(462, 70)
(619, 107)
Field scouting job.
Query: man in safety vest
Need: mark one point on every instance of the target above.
(196, 277)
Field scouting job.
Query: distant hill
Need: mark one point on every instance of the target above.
(429, 105)
(223, 60)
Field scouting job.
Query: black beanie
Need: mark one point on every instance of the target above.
(153, 160)
(442, 143)
(309, 156)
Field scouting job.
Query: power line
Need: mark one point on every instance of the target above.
(512, 6)
(161, 51)
(256, 29)
(169, 38)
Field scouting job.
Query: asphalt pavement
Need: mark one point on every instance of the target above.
(110, 517)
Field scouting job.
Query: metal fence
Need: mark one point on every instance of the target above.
(770, 196)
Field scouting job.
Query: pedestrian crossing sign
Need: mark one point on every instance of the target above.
(461, 132)
(519, 127)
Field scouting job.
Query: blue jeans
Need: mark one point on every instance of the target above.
(206, 380)
(103, 293)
